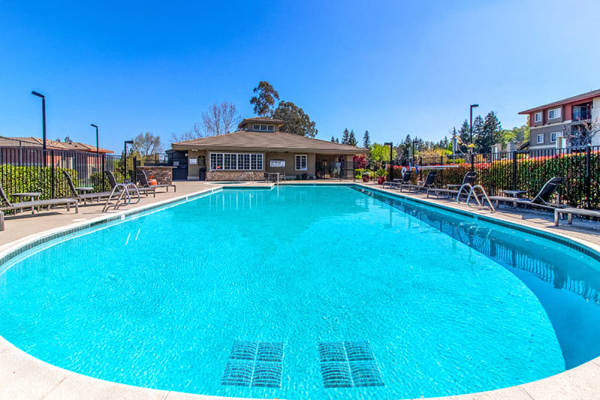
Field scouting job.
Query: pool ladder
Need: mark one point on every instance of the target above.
(122, 189)
(476, 192)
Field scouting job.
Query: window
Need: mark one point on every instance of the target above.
(236, 161)
(537, 117)
(270, 128)
(540, 138)
(256, 127)
(554, 135)
(554, 113)
(300, 162)
(216, 161)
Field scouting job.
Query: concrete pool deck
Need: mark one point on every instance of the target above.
(24, 377)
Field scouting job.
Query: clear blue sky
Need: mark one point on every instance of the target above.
(390, 67)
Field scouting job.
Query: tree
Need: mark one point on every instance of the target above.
(380, 152)
(295, 120)
(352, 139)
(264, 98)
(345, 136)
(332, 139)
(220, 119)
(464, 137)
(366, 140)
(486, 132)
(146, 144)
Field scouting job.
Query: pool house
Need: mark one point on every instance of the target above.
(259, 147)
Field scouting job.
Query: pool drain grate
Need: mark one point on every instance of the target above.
(348, 364)
(257, 364)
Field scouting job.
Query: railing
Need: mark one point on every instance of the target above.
(32, 169)
(518, 170)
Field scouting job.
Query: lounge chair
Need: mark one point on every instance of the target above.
(426, 185)
(541, 200)
(8, 206)
(399, 182)
(112, 181)
(84, 196)
(145, 183)
(454, 189)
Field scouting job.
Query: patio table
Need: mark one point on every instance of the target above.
(23, 196)
(515, 194)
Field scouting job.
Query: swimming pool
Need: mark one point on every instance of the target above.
(305, 292)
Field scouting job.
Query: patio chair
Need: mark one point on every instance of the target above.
(541, 200)
(84, 196)
(112, 181)
(454, 189)
(399, 182)
(6, 205)
(426, 185)
(145, 183)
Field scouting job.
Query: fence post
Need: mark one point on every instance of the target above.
(514, 170)
(472, 161)
(588, 192)
(133, 178)
(51, 173)
(103, 173)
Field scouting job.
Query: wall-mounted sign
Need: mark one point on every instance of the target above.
(277, 163)
(193, 161)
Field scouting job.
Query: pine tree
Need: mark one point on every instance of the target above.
(464, 137)
(488, 132)
(352, 139)
(332, 139)
(477, 133)
(366, 140)
(345, 136)
(337, 140)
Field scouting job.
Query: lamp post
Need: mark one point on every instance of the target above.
(125, 143)
(471, 107)
(33, 92)
(391, 162)
(97, 145)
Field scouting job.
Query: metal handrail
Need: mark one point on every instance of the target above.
(124, 195)
(473, 192)
(465, 187)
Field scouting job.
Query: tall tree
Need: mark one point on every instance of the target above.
(464, 137)
(220, 119)
(352, 139)
(345, 136)
(146, 144)
(366, 140)
(332, 139)
(264, 98)
(295, 120)
(488, 132)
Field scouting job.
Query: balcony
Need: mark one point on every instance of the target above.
(582, 112)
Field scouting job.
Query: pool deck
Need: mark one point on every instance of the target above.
(25, 377)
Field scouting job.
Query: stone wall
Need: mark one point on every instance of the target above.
(162, 174)
(235, 175)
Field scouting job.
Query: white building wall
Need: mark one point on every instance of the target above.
(596, 120)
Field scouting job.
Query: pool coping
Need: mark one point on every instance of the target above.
(24, 376)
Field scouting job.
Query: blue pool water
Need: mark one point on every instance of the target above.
(306, 288)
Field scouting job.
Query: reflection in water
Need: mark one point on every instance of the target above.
(566, 281)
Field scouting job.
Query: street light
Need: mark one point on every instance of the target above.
(125, 143)
(33, 92)
(97, 146)
(391, 162)
(471, 107)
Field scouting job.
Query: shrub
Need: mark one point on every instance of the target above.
(20, 179)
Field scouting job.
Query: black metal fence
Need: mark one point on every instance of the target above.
(518, 170)
(27, 169)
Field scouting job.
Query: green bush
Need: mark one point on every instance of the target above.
(100, 182)
(20, 179)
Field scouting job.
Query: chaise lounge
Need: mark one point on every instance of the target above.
(145, 183)
(84, 196)
(454, 189)
(397, 183)
(8, 206)
(541, 200)
(426, 185)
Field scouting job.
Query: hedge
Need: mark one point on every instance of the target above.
(20, 179)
